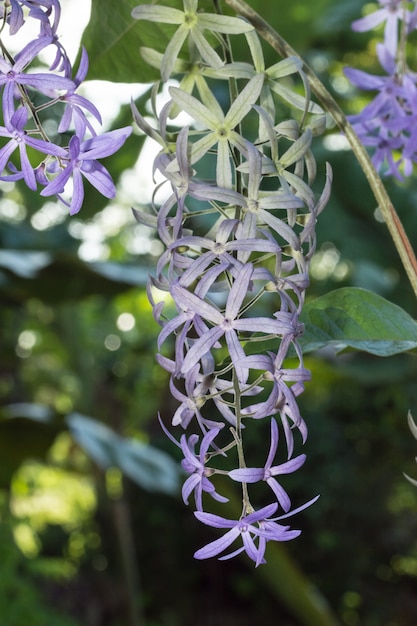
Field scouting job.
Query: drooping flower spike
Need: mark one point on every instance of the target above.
(234, 270)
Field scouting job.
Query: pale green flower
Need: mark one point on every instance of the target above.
(193, 76)
(272, 83)
(190, 24)
(221, 127)
(294, 156)
(279, 70)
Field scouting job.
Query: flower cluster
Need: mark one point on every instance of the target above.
(235, 265)
(26, 98)
(388, 123)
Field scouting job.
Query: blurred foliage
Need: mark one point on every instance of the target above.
(78, 338)
(21, 600)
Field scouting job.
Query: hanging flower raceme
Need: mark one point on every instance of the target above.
(235, 267)
(27, 98)
(387, 124)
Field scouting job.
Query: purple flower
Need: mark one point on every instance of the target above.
(257, 205)
(44, 16)
(221, 249)
(256, 250)
(385, 146)
(390, 87)
(229, 324)
(75, 104)
(200, 388)
(282, 398)
(264, 531)
(267, 529)
(15, 17)
(267, 473)
(12, 75)
(187, 318)
(82, 162)
(194, 465)
(15, 130)
(48, 28)
(392, 12)
(387, 120)
(190, 406)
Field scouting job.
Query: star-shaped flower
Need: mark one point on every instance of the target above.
(228, 324)
(221, 127)
(391, 12)
(257, 205)
(76, 103)
(15, 17)
(190, 24)
(12, 75)
(282, 397)
(255, 526)
(194, 464)
(258, 524)
(279, 164)
(272, 81)
(222, 248)
(268, 472)
(391, 91)
(19, 139)
(82, 162)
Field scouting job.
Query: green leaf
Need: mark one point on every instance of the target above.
(356, 318)
(145, 465)
(113, 38)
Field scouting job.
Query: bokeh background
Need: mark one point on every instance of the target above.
(93, 531)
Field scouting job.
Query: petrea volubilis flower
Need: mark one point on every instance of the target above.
(387, 122)
(268, 472)
(191, 24)
(23, 119)
(391, 13)
(12, 75)
(254, 529)
(76, 104)
(19, 139)
(82, 162)
(235, 268)
(195, 465)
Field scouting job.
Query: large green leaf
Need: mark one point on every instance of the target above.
(356, 318)
(113, 39)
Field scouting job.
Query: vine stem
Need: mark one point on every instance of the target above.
(389, 213)
(237, 435)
